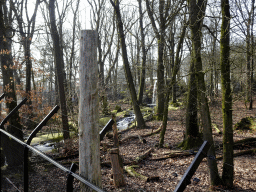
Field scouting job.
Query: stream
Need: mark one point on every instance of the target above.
(122, 124)
(46, 147)
(125, 122)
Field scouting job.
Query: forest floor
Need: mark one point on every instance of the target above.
(157, 164)
(170, 170)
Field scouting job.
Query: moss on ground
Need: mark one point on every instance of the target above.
(246, 123)
(47, 137)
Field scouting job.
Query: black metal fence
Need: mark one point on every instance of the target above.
(202, 153)
(70, 172)
(185, 180)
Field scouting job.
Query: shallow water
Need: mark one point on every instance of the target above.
(125, 122)
(47, 147)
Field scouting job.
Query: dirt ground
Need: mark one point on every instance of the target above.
(169, 170)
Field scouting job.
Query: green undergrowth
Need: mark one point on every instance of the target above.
(174, 106)
(246, 123)
(53, 137)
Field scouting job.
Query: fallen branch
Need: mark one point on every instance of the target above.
(106, 145)
(142, 140)
(137, 160)
(246, 152)
(240, 142)
(216, 128)
(142, 157)
(172, 155)
(133, 173)
(145, 135)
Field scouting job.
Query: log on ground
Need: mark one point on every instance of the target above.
(130, 170)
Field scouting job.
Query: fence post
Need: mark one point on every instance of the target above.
(70, 178)
(89, 139)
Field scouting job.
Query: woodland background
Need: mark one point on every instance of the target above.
(190, 53)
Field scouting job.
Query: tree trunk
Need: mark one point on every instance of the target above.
(197, 10)
(228, 164)
(165, 116)
(171, 84)
(58, 59)
(14, 127)
(72, 58)
(160, 65)
(252, 55)
(89, 140)
(192, 136)
(128, 74)
(144, 56)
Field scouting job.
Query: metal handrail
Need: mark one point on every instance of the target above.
(27, 146)
(185, 180)
(31, 136)
(78, 177)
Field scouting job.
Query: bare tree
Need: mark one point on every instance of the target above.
(14, 127)
(129, 78)
(59, 66)
(26, 30)
(228, 164)
(144, 55)
(106, 32)
(196, 14)
(164, 18)
(243, 23)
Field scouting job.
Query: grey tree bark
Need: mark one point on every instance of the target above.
(89, 141)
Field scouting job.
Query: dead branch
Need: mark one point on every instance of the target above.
(130, 170)
(145, 135)
(249, 140)
(142, 157)
(173, 155)
(246, 152)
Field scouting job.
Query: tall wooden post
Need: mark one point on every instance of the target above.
(89, 140)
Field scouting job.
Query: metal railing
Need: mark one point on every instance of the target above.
(70, 172)
(202, 153)
(185, 180)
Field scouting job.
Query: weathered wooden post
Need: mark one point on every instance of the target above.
(89, 141)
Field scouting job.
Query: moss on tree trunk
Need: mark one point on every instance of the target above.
(197, 10)
(228, 165)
